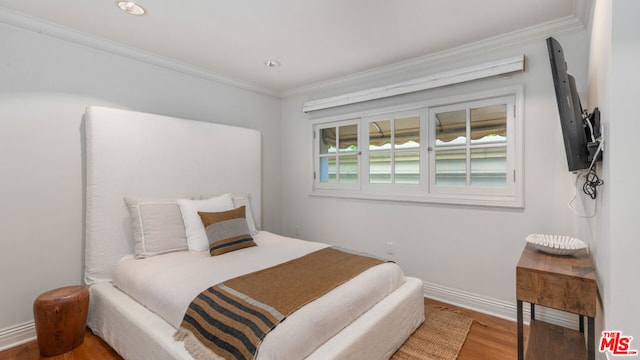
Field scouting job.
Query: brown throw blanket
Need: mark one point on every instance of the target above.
(231, 318)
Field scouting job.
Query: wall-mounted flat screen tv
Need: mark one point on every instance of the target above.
(581, 131)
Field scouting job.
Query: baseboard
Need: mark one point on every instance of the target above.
(16, 335)
(497, 307)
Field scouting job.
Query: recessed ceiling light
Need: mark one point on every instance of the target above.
(131, 8)
(272, 63)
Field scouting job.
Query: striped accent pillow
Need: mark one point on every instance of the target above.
(226, 230)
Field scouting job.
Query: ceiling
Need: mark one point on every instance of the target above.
(314, 40)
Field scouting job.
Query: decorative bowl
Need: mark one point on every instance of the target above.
(556, 244)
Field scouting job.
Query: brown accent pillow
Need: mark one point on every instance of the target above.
(226, 230)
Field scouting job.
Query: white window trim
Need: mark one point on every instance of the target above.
(514, 200)
(474, 72)
(316, 144)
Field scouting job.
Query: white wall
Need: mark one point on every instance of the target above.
(45, 85)
(599, 80)
(470, 250)
(624, 228)
(614, 87)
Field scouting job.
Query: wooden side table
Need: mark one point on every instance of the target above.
(61, 317)
(566, 283)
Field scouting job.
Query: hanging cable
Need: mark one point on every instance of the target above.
(591, 183)
(591, 179)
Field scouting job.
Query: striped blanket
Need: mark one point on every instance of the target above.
(230, 319)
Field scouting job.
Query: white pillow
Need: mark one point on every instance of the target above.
(157, 226)
(196, 236)
(244, 201)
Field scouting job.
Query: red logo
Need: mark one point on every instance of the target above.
(616, 343)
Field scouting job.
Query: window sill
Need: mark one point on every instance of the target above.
(493, 201)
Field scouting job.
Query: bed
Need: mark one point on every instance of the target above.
(136, 302)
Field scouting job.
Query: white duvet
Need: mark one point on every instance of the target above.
(166, 284)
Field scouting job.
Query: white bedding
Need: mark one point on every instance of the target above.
(166, 284)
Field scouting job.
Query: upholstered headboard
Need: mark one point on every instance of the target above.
(144, 155)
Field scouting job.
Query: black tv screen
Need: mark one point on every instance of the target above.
(574, 129)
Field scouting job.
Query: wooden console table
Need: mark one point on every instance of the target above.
(566, 283)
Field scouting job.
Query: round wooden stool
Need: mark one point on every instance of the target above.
(61, 319)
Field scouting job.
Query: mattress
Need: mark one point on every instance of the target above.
(166, 284)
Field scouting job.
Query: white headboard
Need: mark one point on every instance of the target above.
(137, 154)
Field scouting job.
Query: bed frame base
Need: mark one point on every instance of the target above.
(377, 334)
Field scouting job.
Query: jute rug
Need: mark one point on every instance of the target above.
(440, 337)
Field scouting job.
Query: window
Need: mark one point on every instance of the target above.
(463, 152)
(338, 161)
(470, 149)
(394, 148)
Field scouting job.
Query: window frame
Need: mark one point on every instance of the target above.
(394, 188)
(469, 190)
(317, 156)
(510, 196)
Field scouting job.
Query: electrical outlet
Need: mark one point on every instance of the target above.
(390, 248)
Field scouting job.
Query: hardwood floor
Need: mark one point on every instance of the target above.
(93, 348)
(489, 338)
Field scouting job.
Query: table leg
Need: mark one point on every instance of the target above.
(591, 338)
(520, 332)
(533, 311)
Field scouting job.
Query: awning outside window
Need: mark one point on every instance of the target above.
(485, 121)
(406, 129)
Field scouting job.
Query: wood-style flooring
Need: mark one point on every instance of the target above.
(489, 338)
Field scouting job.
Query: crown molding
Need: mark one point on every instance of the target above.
(534, 33)
(583, 11)
(576, 22)
(43, 27)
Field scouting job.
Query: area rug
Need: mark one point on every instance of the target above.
(440, 337)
